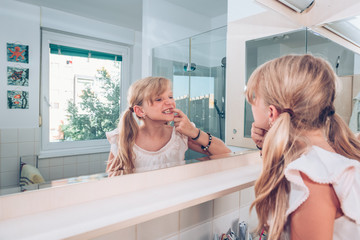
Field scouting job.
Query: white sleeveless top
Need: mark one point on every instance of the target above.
(326, 167)
(172, 154)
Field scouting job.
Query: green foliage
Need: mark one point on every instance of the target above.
(96, 116)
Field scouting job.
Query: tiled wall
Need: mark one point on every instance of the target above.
(26, 141)
(199, 222)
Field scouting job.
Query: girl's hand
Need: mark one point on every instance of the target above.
(258, 135)
(183, 125)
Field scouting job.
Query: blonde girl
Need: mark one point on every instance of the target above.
(309, 187)
(155, 144)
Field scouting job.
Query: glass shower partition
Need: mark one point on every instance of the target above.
(259, 51)
(197, 68)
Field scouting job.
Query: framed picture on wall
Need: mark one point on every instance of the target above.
(18, 76)
(18, 99)
(17, 53)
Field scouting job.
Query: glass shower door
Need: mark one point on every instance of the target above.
(207, 83)
(197, 67)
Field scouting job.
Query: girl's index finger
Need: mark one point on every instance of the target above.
(178, 112)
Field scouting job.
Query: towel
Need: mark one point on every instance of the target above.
(30, 175)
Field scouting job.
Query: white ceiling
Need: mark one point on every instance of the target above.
(126, 13)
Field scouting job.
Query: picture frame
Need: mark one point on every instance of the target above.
(18, 99)
(17, 53)
(17, 76)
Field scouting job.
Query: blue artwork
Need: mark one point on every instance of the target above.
(18, 99)
(17, 53)
(18, 76)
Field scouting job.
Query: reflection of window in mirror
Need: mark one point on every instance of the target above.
(84, 82)
(344, 62)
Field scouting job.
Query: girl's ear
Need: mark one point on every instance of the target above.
(139, 111)
(273, 114)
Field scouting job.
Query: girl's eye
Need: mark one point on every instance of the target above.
(158, 99)
(171, 97)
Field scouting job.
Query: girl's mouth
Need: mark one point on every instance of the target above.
(168, 111)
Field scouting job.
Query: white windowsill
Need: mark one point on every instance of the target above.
(74, 151)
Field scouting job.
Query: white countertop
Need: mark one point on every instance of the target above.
(101, 216)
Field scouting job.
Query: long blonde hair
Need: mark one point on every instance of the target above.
(143, 90)
(306, 85)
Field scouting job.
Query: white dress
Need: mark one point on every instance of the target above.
(172, 154)
(326, 167)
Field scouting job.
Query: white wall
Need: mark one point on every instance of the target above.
(23, 26)
(242, 9)
(164, 23)
(59, 20)
(20, 23)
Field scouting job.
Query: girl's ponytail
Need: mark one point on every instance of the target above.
(272, 181)
(342, 139)
(123, 162)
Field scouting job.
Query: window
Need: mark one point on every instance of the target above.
(82, 84)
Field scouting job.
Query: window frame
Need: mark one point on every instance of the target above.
(57, 149)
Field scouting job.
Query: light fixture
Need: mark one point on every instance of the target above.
(348, 29)
(297, 5)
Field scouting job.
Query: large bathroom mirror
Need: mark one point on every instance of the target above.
(130, 35)
(343, 60)
(207, 48)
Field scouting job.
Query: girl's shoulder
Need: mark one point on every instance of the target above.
(176, 136)
(324, 167)
(321, 165)
(112, 136)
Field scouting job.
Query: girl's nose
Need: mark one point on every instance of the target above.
(169, 101)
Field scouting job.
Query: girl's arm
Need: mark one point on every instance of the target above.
(185, 127)
(258, 135)
(314, 219)
(216, 147)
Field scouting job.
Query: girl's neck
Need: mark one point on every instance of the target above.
(153, 128)
(318, 138)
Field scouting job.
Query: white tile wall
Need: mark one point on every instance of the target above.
(9, 136)
(196, 215)
(159, 228)
(9, 164)
(26, 134)
(126, 233)
(70, 170)
(83, 168)
(226, 221)
(228, 203)
(26, 141)
(9, 150)
(56, 172)
(202, 231)
(200, 222)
